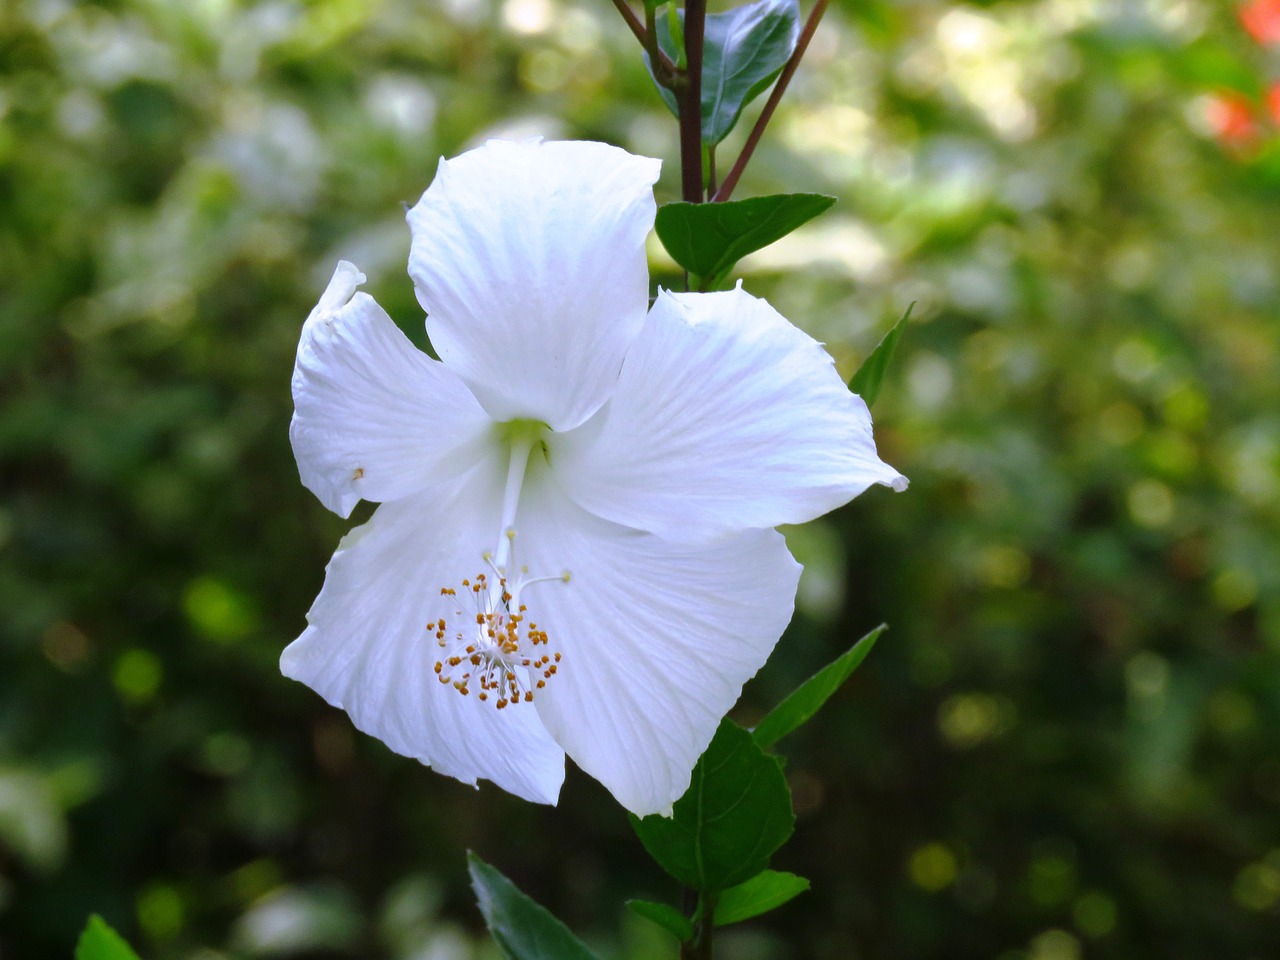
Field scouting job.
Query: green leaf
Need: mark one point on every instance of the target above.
(764, 892)
(809, 697)
(667, 917)
(866, 382)
(100, 942)
(707, 239)
(735, 814)
(743, 52)
(523, 929)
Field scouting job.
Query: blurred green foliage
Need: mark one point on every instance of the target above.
(1067, 746)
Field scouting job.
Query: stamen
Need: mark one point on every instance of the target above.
(493, 646)
(496, 646)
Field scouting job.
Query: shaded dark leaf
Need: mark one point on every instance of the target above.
(522, 928)
(735, 814)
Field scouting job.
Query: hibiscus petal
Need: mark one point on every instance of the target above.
(529, 260)
(657, 639)
(726, 416)
(367, 650)
(375, 418)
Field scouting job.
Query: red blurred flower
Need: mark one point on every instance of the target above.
(1231, 119)
(1273, 102)
(1262, 19)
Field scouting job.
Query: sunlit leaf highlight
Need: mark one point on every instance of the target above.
(765, 891)
(867, 381)
(707, 239)
(100, 942)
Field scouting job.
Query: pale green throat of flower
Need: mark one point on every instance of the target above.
(493, 649)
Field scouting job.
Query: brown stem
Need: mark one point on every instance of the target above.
(632, 20)
(663, 63)
(700, 945)
(705, 941)
(706, 926)
(711, 171)
(689, 100)
(779, 88)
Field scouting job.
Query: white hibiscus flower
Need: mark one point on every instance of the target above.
(574, 552)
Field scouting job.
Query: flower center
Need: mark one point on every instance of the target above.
(493, 647)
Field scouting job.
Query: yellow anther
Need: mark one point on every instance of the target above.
(498, 649)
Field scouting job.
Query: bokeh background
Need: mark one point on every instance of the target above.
(1068, 744)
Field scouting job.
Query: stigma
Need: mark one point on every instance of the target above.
(490, 647)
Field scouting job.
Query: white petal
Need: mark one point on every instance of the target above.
(375, 418)
(367, 651)
(529, 260)
(657, 639)
(726, 416)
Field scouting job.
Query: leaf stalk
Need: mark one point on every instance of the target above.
(775, 95)
(662, 63)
